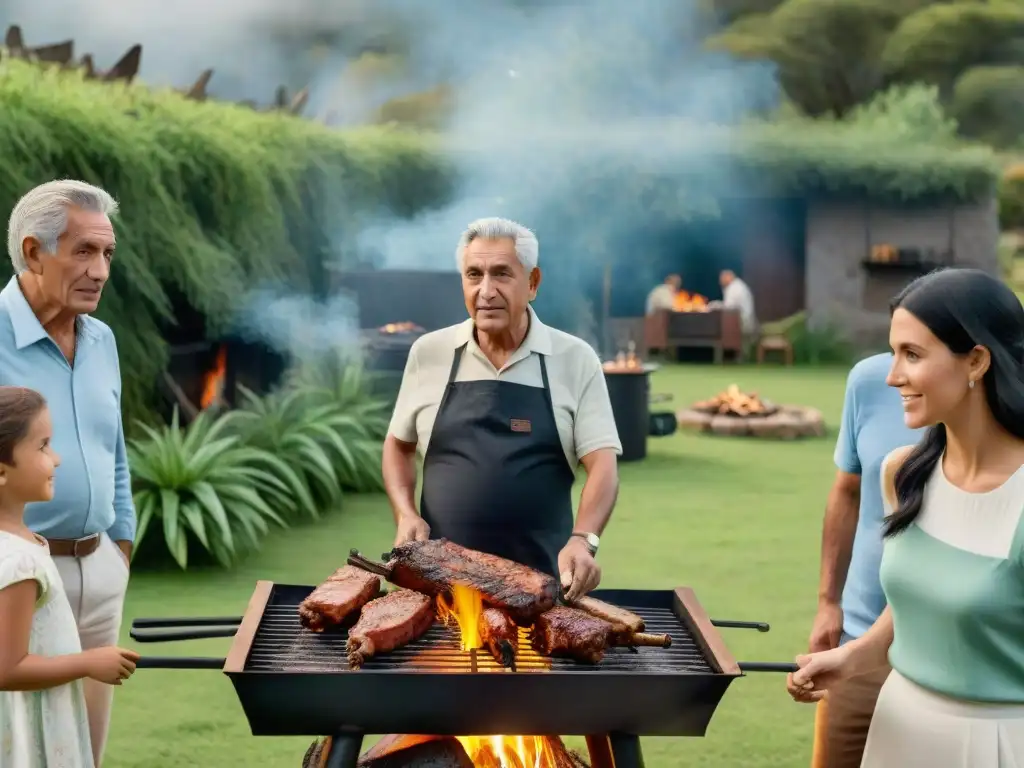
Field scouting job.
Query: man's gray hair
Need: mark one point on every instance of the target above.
(43, 214)
(494, 228)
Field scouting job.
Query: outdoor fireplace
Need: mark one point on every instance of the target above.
(207, 375)
(629, 389)
(734, 412)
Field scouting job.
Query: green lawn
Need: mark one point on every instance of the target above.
(738, 520)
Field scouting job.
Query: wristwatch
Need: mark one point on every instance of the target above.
(592, 539)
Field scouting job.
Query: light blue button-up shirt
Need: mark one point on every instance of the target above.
(92, 486)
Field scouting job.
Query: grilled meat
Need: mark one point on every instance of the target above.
(575, 633)
(345, 592)
(610, 613)
(389, 623)
(571, 632)
(500, 636)
(432, 567)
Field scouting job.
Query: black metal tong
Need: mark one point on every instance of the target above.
(174, 630)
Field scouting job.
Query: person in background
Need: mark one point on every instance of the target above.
(43, 720)
(61, 243)
(850, 596)
(503, 409)
(736, 295)
(953, 561)
(663, 297)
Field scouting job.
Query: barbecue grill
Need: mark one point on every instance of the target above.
(293, 682)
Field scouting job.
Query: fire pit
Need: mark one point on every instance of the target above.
(736, 413)
(291, 681)
(629, 385)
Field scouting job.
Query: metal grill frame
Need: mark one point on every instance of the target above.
(461, 702)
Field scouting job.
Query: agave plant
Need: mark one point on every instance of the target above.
(200, 484)
(355, 426)
(291, 425)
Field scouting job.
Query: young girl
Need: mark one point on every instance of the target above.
(43, 722)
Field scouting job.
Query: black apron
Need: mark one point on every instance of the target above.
(495, 478)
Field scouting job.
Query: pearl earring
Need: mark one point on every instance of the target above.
(970, 384)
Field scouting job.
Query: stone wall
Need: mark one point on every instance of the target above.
(839, 238)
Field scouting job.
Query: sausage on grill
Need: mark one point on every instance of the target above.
(500, 636)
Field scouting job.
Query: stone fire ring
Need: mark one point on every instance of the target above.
(789, 422)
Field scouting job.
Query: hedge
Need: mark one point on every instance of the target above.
(215, 198)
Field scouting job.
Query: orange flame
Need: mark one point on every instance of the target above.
(689, 302)
(509, 751)
(213, 381)
(465, 610)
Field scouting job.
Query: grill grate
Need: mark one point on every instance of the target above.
(282, 644)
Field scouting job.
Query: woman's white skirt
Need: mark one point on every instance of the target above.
(916, 728)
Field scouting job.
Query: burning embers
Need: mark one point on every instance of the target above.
(733, 402)
(689, 302)
(459, 752)
(403, 327)
(626, 362)
(737, 413)
(214, 380)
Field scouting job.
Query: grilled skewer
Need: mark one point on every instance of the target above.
(500, 636)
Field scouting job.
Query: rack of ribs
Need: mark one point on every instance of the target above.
(433, 567)
(500, 636)
(575, 633)
(346, 591)
(389, 623)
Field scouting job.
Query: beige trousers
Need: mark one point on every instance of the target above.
(96, 586)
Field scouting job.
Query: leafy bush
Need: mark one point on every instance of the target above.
(283, 458)
(988, 102)
(203, 486)
(1011, 198)
(215, 198)
(912, 112)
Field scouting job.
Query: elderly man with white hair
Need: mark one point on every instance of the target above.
(502, 410)
(61, 243)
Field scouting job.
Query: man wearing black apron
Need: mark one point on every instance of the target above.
(501, 408)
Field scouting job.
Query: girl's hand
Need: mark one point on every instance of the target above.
(110, 665)
(818, 672)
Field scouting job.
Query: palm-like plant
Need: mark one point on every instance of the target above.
(293, 427)
(357, 421)
(204, 485)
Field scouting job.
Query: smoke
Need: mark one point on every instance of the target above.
(587, 120)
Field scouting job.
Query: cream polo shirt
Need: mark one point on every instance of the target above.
(583, 412)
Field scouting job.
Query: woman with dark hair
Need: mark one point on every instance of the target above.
(953, 564)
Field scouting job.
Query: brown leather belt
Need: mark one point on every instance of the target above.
(74, 547)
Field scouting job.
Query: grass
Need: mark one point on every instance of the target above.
(738, 520)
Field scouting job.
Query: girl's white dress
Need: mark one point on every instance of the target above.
(43, 729)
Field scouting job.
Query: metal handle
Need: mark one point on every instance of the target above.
(760, 626)
(207, 621)
(179, 662)
(767, 666)
(200, 633)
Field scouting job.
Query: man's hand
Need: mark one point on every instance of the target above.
(827, 628)
(126, 552)
(411, 527)
(579, 571)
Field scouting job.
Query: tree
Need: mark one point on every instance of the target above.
(939, 42)
(988, 103)
(827, 51)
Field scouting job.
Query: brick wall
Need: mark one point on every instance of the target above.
(840, 236)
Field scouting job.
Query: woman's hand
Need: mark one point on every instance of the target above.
(818, 672)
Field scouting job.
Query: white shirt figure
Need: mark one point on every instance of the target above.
(736, 295)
